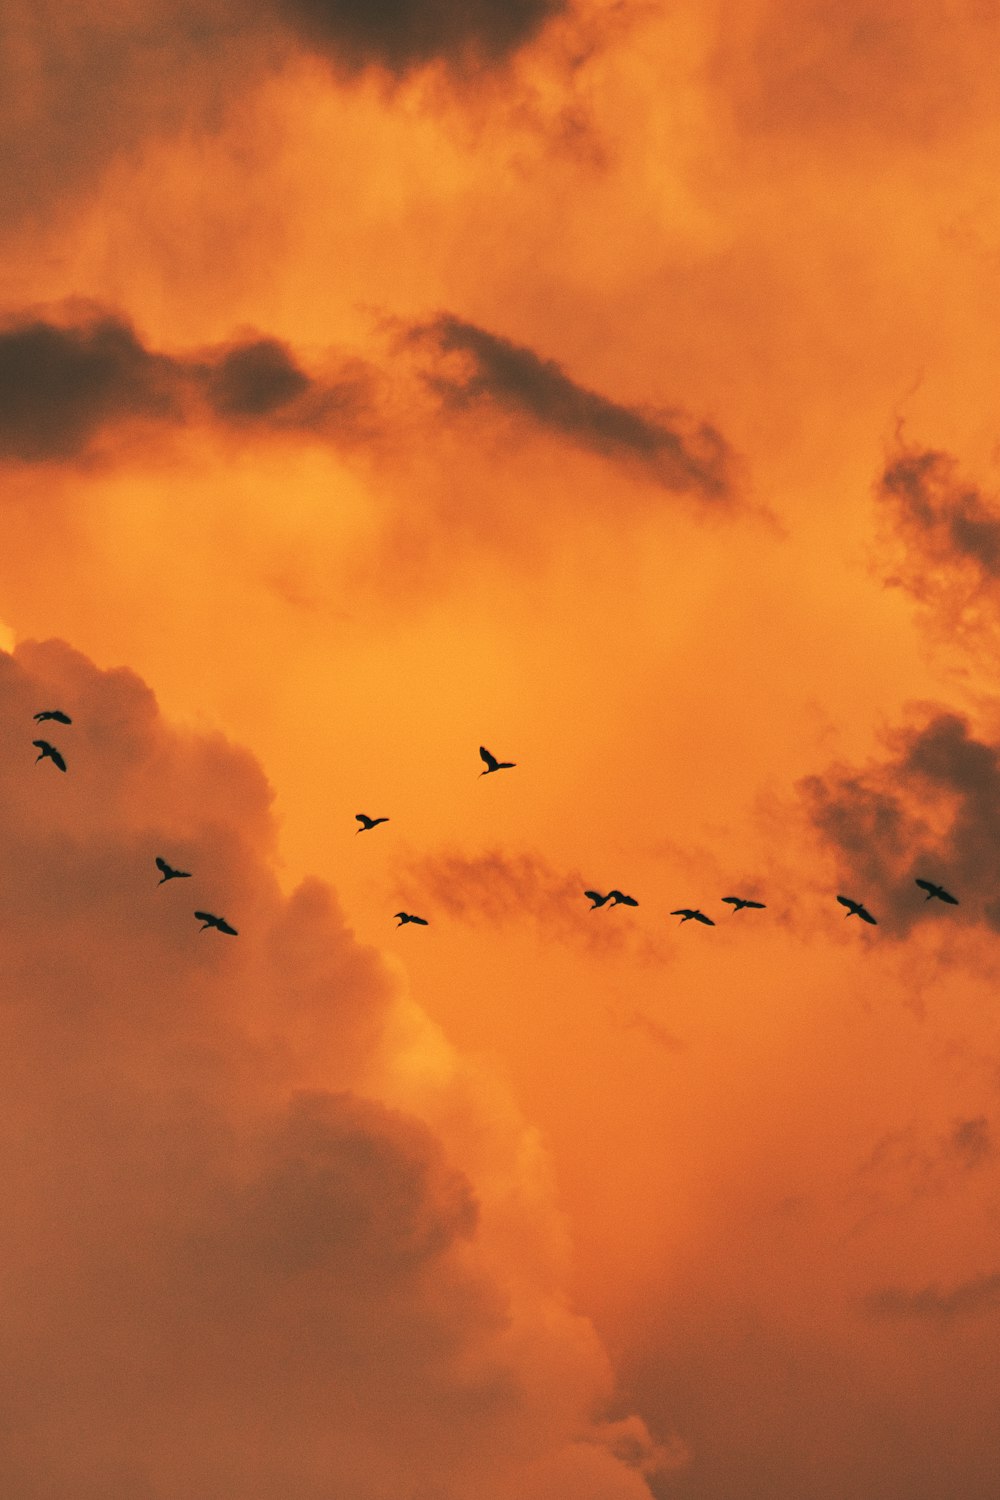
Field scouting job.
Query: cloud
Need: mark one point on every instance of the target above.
(497, 888)
(970, 1298)
(472, 365)
(401, 35)
(944, 544)
(242, 1251)
(67, 384)
(890, 70)
(929, 809)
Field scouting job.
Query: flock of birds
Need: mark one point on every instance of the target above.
(596, 899)
(167, 871)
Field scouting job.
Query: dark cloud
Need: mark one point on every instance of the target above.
(944, 544)
(473, 365)
(67, 384)
(967, 1299)
(255, 379)
(930, 809)
(401, 35)
(497, 888)
(60, 385)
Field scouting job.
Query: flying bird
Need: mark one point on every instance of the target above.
(618, 898)
(367, 822)
(492, 764)
(855, 909)
(739, 902)
(209, 920)
(49, 752)
(938, 891)
(169, 873)
(53, 713)
(595, 897)
(405, 916)
(685, 913)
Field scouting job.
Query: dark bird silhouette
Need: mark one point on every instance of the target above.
(367, 822)
(405, 916)
(739, 902)
(618, 898)
(492, 764)
(169, 873)
(53, 713)
(855, 909)
(938, 891)
(49, 752)
(685, 913)
(209, 920)
(596, 899)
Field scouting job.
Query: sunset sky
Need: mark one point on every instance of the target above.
(612, 384)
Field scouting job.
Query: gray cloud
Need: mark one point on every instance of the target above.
(67, 384)
(929, 809)
(401, 35)
(970, 1298)
(472, 365)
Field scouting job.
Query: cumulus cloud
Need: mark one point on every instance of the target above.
(930, 810)
(472, 365)
(66, 383)
(233, 1261)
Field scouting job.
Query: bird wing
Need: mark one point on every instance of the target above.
(43, 746)
(846, 901)
(866, 916)
(224, 926)
(54, 753)
(700, 916)
(682, 911)
(363, 819)
(163, 867)
(757, 905)
(595, 896)
(947, 896)
(422, 920)
(629, 901)
(492, 764)
(927, 885)
(734, 900)
(206, 916)
(59, 716)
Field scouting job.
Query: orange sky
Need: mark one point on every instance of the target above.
(611, 385)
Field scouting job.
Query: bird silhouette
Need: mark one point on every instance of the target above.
(492, 764)
(49, 752)
(209, 920)
(618, 898)
(53, 713)
(739, 902)
(367, 822)
(938, 891)
(686, 913)
(855, 909)
(169, 873)
(405, 916)
(596, 899)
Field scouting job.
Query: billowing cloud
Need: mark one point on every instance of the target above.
(66, 383)
(236, 1257)
(473, 365)
(405, 34)
(929, 810)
